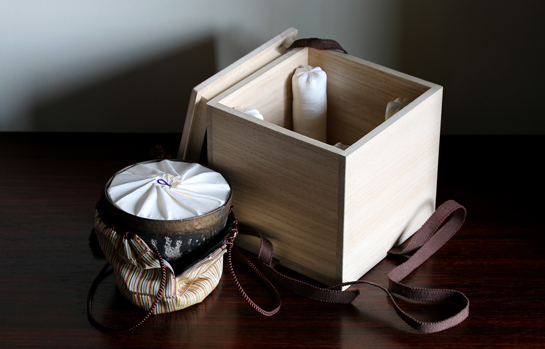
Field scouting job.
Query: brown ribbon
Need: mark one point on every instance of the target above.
(438, 229)
(319, 44)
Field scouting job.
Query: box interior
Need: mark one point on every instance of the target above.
(357, 94)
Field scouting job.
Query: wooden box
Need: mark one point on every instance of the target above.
(331, 214)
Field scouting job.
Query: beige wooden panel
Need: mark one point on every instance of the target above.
(330, 217)
(270, 91)
(284, 186)
(357, 94)
(391, 180)
(195, 123)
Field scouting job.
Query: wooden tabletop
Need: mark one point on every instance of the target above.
(49, 184)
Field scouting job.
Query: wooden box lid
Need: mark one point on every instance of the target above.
(195, 121)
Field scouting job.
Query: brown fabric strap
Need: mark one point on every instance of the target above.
(103, 274)
(440, 227)
(264, 263)
(319, 44)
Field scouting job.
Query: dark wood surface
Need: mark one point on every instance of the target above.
(49, 184)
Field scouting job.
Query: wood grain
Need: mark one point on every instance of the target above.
(391, 182)
(268, 90)
(332, 227)
(358, 92)
(284, 187)
(195, 121)
(49, 184)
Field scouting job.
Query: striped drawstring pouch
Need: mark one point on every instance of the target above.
(164, 226)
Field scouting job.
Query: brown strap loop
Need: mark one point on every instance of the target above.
(101, 277)
(439, 228)
(298, 286)
(319, 44)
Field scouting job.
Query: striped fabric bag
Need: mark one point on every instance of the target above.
(138, 272)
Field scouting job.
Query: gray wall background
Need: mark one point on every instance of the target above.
(129, 66)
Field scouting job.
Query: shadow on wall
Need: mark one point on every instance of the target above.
(233, 43)
(488, 56)
(151, 97)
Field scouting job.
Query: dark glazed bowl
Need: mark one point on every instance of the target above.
(173, 238)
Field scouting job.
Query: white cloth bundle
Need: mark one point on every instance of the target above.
(309, 110)
(341, 146)
(395, 106)
(168, 190)
(252, 112)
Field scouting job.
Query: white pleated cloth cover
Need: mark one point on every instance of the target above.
(309, 109)
(168, 190)
(162, 190)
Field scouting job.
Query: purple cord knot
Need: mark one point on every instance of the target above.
(162, 182)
